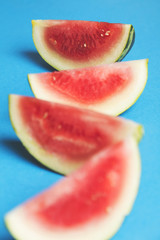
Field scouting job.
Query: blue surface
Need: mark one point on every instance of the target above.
(20, 175)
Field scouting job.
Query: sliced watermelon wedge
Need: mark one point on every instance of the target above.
(90, 204)
(110, 88)
(62, 137)
(68, 44)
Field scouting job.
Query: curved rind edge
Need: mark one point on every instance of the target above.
(29, 150)
(38, 153)
(140, 92)
(129, 43)
(114, 111)
(121, 219)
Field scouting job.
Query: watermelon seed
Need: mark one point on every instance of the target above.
(107, 33)
(53, 41)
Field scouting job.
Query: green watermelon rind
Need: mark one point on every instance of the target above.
(53, 161)
(58, 63)
(124, 205)
(129, 44)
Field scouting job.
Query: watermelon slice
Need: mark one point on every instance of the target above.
(62, 137)
(68, 44)
(89, 204)
(110, 88)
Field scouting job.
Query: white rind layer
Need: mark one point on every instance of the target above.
(52, 161)
(113, 105)
(25, 228)
(61, 63)
(55, 162)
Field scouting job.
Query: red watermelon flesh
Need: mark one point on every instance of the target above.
(90, 204)
(109, 88)
(87, 86)
(67, 44)
(61, 130)
(64, 137)
(81, 40)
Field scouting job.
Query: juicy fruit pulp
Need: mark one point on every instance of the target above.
(66, 44)
(109, 88)
(63, 137)
(89, 204)
(91, 39)
(102, 192)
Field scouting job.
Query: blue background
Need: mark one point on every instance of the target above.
(20, 175)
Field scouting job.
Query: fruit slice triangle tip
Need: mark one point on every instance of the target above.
(109, 88)
(89, 204)
(68, 44)
(62, 137)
